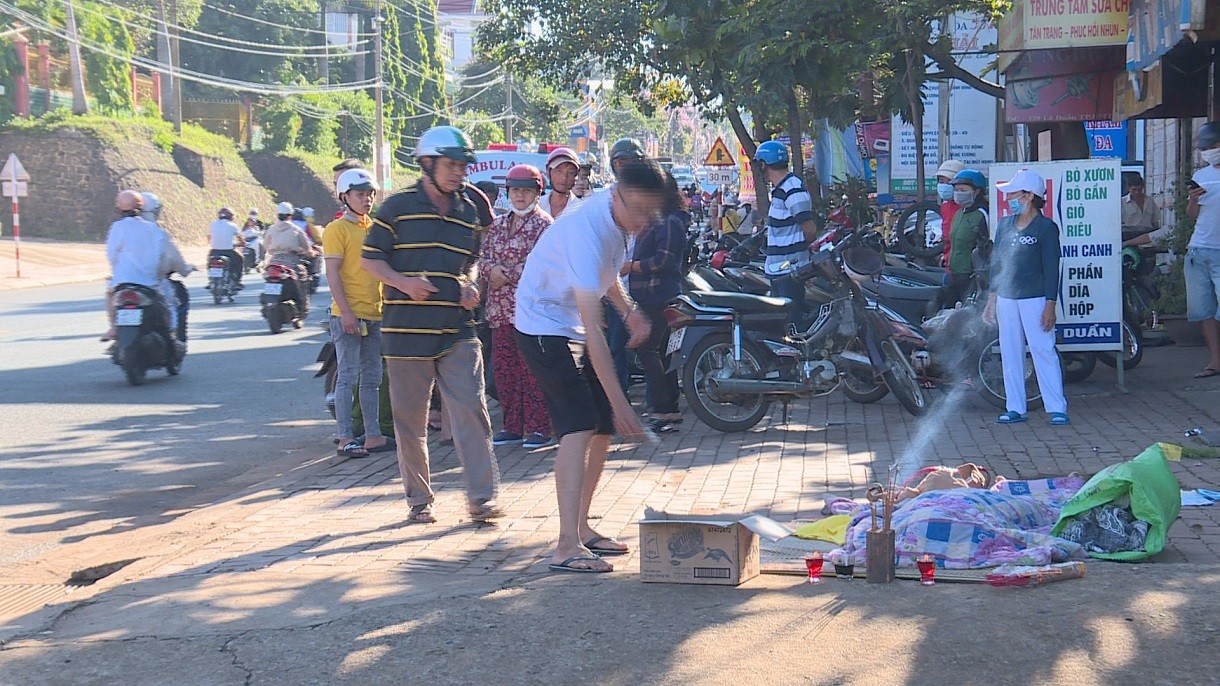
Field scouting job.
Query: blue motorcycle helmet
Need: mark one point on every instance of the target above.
(971, 177)
(772, 153)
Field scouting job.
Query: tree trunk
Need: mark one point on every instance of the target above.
(762, 194)
(739, 127)
(915, 97)
(795, 133)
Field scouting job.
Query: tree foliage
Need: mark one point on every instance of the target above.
(537, 105)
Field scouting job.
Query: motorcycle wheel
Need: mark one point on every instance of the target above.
(328, 390)
(990, 378)
(275, 320)
(1077, 366)
(901, 379)
(1133, 349)
(727, 413)
(914, 242)
(133, 368)
(860, 388)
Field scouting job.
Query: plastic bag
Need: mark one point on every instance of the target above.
(1147, 484)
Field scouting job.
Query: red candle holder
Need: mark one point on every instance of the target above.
(927, 570)
(813, 563)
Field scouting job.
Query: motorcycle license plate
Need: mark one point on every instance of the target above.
(273, 288)
(214, 273)
(131, 317)
(675, 341)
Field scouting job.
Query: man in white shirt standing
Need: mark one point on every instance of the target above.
(1202, 266)
(559, 322)
(225, 235)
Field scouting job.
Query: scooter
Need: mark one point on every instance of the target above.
(220, 279)
(736, 357)
(143, 340)
(285, 298)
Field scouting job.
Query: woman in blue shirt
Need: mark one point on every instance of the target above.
(1024, 289)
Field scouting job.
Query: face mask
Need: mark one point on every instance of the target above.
(521, 213)
(1016, 206)
(963, 198)
(944, 191)
(1212, 156)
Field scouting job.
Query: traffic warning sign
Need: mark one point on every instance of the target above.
(719, 155)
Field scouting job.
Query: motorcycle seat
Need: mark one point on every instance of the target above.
(744, 303)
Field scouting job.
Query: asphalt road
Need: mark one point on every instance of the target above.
(84, 453)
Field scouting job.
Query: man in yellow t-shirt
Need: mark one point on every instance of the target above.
(355, 322)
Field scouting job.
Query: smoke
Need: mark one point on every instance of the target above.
(929, 428)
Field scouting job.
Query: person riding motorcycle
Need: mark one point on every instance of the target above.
(286, 244)
(173, 290)
(225, 238)
(252, 233)
(138, 252)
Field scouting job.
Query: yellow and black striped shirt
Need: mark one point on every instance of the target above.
(416, 240)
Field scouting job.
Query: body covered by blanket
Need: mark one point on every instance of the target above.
(969, 528)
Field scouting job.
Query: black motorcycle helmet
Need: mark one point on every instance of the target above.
(1208, 135)
(626, 148)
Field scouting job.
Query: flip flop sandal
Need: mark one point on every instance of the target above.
(421, 514)
(1011, 418)
(390, 446)
(603, 547)
(566, 565)
(352, 449)
(1059, 419)
(661, 426)
(1207, 373)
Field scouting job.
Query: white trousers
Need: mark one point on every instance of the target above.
(1021, 324)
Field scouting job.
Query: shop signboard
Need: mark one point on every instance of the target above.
(1107, 138)
(972, 114)
(1083, 197)
(1061, 85)
(1153, 27)
(747, 192)
(1073, 23)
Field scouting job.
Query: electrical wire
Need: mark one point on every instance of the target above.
(184, 74)
(256, 20)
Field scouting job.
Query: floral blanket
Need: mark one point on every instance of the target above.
(968, 528)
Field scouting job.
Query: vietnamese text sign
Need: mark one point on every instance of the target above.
(747, 192)
(1073, 23)
(972, 115)
(1083, 197)
(1107, 138)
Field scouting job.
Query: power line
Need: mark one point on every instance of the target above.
(256, 20)
(185, 74)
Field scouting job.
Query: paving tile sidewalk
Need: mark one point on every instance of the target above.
(350, 516)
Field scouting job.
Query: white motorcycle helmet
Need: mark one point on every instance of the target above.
(152, 207)
(355, 180)
(284, 209)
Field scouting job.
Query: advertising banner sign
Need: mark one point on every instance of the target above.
(1107, 138)
(747, 192)
(1084, 198)
(1073, 23)
(972, 114)
(1061, 85)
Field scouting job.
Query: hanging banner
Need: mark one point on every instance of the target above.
(747, 192)
(972, 114)
(1084, 198)
(1061, 85)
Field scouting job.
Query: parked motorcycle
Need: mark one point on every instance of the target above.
(220, 279)
(1139, 293)
(736, 357)
(285, 296)
(143, 340)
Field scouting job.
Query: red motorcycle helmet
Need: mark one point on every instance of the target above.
(524, 176)
(718, 259)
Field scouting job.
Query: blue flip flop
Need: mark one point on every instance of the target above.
(1060, 419)
(1011, 418)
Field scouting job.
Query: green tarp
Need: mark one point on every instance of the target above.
(1153, 492)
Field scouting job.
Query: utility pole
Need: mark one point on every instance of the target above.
(379, 145)
(324, 60)
(80, 105)
(946, 91)
(508, 108)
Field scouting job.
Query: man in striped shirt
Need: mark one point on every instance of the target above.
(790, 227)
(423, 247)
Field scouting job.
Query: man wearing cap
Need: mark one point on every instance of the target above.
(1202, 266)
(949, 169)
(562, 167)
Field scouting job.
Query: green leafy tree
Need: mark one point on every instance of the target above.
(480, 127)
(287, 17)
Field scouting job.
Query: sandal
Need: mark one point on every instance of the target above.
(1060, 419)
(421, 514)
(1206, 373)
(485, 511)
(352, 449)
(1011, 418)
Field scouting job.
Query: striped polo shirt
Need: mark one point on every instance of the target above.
(791, 205)
(410, 235)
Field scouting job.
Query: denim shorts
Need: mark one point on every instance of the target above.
(1202, 271)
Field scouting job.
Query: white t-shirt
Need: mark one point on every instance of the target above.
(1207, 226)
(582, 251)
(136, 249)
(545, 203)
(223, 233)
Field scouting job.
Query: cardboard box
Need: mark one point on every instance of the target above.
(691, 549)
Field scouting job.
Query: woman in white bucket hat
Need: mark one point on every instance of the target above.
(1024, 290)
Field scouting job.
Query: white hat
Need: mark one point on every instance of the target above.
(950, 168)
(1024, 180)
